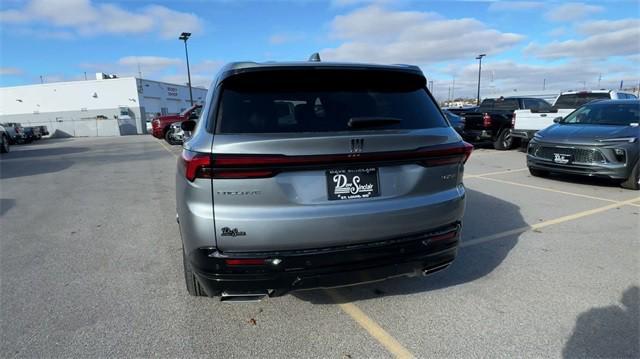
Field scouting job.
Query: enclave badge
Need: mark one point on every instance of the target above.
(228, 232)
(357, 144)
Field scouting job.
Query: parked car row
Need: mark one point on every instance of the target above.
(13, 133)
(508, 122)
(162, 126)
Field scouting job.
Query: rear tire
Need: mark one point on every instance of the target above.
(193, 286)
(4, 147)
(504, 141)
(634, 178)
(538, 173)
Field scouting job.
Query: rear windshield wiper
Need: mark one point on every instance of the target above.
(364, 122)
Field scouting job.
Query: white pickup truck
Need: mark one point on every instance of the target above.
(527, 122)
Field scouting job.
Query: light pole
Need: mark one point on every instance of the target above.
(184, 37)
(479, 58)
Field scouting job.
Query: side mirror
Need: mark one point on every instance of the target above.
(188, 125)
(193, 116)
(557, 119)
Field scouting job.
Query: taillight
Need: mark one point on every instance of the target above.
(232, 166)
(486, 120)
(196, 165)
(513, 120)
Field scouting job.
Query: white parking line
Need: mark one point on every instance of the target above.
(495, 173)
(563, 219)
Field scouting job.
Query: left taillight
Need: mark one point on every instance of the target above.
(196, 165)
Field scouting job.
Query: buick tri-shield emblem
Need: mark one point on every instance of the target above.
(357, 145)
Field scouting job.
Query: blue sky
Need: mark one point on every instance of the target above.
(568, 45)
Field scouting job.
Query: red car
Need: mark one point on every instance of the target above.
(161, 124)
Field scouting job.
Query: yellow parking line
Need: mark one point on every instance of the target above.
(390, 343)
(546, 189)
(551, 222)
(495, 173)
(168, 149)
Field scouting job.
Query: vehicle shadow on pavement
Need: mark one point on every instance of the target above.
(608, 332)
(485, 215)
(6, 204)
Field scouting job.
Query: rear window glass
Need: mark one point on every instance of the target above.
(572, 101)
(500, 104)
(324, 101)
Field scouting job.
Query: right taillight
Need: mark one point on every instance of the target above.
(513, 120)
(195, 165)
(486, 120)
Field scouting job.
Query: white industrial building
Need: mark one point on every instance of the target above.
(106, 106)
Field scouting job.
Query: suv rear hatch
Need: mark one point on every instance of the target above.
(307, 159)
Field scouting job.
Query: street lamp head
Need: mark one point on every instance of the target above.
(480, 56)
(184, 36)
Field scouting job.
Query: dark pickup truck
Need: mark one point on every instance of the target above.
(494, 120)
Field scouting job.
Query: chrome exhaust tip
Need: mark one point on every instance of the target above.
(435, 269)
(243, 297)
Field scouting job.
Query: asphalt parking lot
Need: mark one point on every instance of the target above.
(91, 266)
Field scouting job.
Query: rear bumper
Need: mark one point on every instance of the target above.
(327, 267)
(524, 134)
(476, 135)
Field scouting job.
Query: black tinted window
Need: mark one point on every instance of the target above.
(621, 114)
(323, 101)
(499, 104)
(578, 99)
(536, 104)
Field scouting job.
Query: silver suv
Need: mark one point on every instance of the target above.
(311, 175)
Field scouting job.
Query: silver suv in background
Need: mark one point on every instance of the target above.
(308, 175)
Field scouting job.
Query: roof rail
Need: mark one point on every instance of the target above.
(315, 57)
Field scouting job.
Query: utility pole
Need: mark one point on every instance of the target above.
(41, 80)
(184, 37)
(544, 84)
(479, 58)
(85, 76)
(599, 78)
(453, 89)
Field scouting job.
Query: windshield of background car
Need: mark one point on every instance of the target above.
(618, 114)
(324, 101)
(576, 100)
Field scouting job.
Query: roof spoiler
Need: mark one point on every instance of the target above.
(315, 57)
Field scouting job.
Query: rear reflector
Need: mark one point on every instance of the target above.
(244, 262)
(232, 166)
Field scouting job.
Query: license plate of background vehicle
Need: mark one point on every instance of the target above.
(562, 158)
(352, 183)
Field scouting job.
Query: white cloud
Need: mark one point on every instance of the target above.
(375, 34)
(10, 71)
(504, 76)
(572, 11)
(607, 39)
(557, 32)
(515, 5)
(602, 26)
(151, 63)
(283, 38)
(87, 19)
